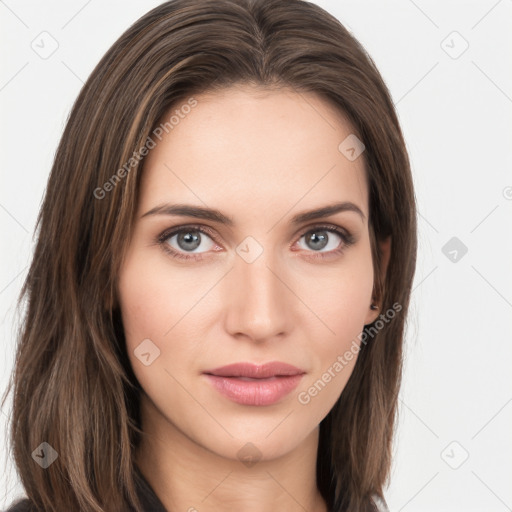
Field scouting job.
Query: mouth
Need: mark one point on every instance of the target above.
(256, 385)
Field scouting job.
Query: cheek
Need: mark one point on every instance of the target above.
(343, 306)
(142, 309)
(342, 297)
(159, 303)
(150, 301)
(140, 301)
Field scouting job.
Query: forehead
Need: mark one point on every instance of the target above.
(254, 150)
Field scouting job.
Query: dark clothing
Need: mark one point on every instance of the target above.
(148, 499)
(146, 495)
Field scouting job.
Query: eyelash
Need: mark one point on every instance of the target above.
(346, 237)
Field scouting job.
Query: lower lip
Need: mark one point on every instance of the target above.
(255, 392)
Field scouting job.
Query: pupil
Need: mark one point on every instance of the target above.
(319, 242)
(187, 238)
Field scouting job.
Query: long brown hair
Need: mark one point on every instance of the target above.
(72, 383)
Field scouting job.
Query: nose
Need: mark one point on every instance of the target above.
(259, 304)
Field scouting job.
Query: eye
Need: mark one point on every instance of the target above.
(331, 238)
(319, 239)
(179, 242)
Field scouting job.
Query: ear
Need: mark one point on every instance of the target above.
(385, 253)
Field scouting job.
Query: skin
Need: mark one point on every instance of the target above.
(260, 157)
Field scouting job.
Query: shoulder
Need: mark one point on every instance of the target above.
(21, 505)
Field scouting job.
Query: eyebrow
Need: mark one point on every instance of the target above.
(214, 215)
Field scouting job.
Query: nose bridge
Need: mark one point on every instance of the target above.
(258, 297)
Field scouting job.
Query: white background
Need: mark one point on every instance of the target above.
(456, 117)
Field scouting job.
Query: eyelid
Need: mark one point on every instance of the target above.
(343, 232)
(166, 234)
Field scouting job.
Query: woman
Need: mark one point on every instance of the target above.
(258, 368)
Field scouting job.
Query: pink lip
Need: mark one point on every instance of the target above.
(250, 384)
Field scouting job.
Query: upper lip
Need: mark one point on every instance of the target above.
(272, 369)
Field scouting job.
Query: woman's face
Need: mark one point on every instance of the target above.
(262, 288)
